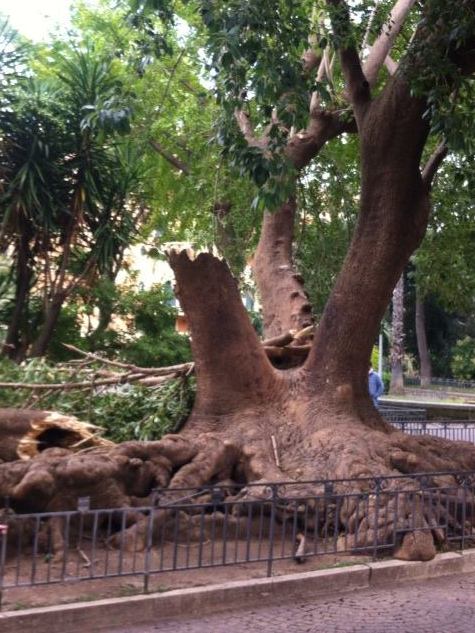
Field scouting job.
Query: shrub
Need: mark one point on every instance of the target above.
(463, 359)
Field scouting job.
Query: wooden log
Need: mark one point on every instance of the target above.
(26, 432)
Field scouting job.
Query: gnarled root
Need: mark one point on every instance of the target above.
(375, 503)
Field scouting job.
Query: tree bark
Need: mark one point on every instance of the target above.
(397, 339)
(425, 366)
(285, 304)
(14, 347)
(236, 372)
(42, 341)
(393, 216)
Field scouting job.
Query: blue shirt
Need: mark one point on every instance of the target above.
(375, 386)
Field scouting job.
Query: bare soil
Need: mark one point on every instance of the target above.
(79, 584)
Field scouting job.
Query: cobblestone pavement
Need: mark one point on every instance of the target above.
(442, 605)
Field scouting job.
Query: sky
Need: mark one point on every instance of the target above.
(36, 18)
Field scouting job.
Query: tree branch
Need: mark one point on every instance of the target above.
(173, 160)
(356, 82)
(391, 65)
(430, 168)
(323, 126)
(385, 41)
(181, 369)
(245, 125)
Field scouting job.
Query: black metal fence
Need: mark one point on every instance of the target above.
(403, 414)
(218, 526)
(414, 421)
(458, 430)
(450, 383)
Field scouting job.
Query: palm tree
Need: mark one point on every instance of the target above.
(63, 175)
(95, 111)
(27, 177)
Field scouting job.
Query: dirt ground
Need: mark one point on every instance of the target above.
(72, 580)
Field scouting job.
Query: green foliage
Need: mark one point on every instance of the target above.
(144, 413)
(375, 358)
(70, 182)
(328, 200)
(434, 69)
(67, 330)
(154, 341)
(125, 412)
(463, 359)
(255, 50)
(139, 327)
(174, 117)
(445, 263)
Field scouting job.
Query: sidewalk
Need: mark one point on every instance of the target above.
(437, 605)
(107, 615)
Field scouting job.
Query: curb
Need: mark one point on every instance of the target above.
(120, 612)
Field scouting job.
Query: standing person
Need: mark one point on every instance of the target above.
(375, 385)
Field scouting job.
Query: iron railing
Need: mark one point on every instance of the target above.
(459, 430)
(402, 414)
(451, 383)
(219, 526)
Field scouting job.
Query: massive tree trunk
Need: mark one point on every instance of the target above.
(397, 339)
(254, 423)
(425, 366)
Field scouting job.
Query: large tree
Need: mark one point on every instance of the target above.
(252, 422)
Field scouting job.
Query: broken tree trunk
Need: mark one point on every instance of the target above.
(24, 433)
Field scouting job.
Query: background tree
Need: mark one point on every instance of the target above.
(397, 338)
(67, 208)
(445, 262)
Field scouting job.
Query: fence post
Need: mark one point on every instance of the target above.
(270, 557)
(3, 557)
(377, 492)
(464, 510)
(148, 546)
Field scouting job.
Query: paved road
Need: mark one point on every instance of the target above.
(442, 605)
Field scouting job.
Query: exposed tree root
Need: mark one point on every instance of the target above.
(370, 513)
(253, 424)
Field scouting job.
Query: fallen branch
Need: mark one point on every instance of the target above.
(286, 345)
(66, 386)
(155, 371)
(288, 352)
